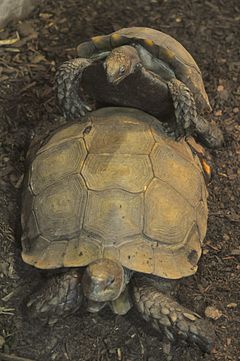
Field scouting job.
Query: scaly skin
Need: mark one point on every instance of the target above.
(188, 121)
(164, 313)
(68, 79)
(60, 295)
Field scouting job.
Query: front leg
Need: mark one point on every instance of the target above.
(58, 296)
(187, 118)
(184, 106)
(163, 312)
(68, 79)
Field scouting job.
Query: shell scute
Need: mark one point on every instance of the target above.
(168, 216)
(55, 163)
(170, 167)
(60, 208)
(113, 215)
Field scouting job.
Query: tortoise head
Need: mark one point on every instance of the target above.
(121, 62)
(103, 280)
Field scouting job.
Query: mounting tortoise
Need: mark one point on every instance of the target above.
(142, 68)
(120, 209)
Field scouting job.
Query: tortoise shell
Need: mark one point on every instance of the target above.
(114, 186)
(162, 46)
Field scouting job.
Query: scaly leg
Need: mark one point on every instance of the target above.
(187, 117)
(163, 312)
(59, 295)
(68, 79)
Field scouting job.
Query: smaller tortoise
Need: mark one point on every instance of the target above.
(121, 211)
(134, 61)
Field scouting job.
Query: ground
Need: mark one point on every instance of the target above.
(210, 31)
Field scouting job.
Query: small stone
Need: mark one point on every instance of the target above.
(220, 88)
(218, 113)
(213, 313)
(232, 305)
(235, 110)
(190, 316)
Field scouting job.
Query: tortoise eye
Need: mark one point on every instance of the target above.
(122, 70)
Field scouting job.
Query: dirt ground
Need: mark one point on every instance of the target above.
(210, 30)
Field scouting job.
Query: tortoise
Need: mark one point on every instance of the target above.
(120, 210)
(122, 67)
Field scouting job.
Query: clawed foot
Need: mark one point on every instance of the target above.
(74, 108)
(209, 133)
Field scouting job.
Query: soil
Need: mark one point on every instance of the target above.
(210, 30)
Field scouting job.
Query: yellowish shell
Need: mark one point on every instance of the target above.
(115, 186)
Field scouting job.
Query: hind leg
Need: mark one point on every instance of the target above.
(58, 296)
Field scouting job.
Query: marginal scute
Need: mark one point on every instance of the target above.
(111, 252)
(120, 137)
(31, 228)
(138, 255)
(107, 171)
(118, 40)
(35, 250)
(105, 116)
(168, 216)
(60, 208)
(81, 251)
(172, 168)
(53, 255)
(50, 166)
(113, 215)
(102, 42)
(174, 262)
(202, 216)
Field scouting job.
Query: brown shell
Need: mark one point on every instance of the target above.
(164, 47)
(115, 186)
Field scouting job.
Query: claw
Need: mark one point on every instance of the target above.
(88, 108)
(82, 112)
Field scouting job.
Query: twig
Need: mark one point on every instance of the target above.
(5, 357)
(10, 41)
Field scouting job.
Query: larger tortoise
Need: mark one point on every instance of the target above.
(116, 206)
(142, 68)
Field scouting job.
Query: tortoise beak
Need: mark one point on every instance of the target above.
(114, 81)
